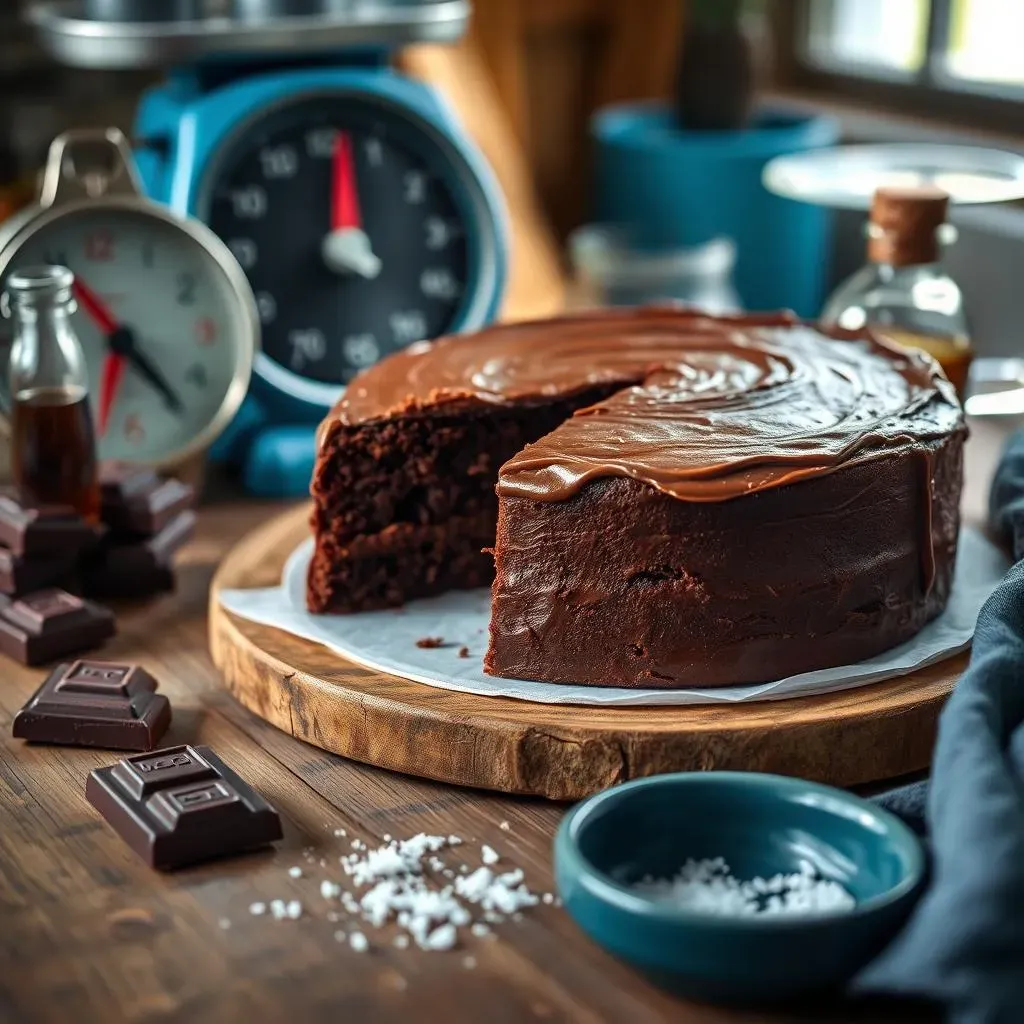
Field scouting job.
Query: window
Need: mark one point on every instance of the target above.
(957, 59)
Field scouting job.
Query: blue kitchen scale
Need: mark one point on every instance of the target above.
(364, 217)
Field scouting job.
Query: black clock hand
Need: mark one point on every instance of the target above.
(122, 341)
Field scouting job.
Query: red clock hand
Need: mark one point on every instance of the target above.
(344, 197)
(113, 365)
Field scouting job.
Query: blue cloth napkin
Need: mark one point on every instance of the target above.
(964, 944)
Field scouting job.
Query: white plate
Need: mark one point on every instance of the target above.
(847, 176)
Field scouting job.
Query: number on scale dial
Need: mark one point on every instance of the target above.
(341, 214)
(168, 298)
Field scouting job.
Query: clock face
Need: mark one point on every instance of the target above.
(146, 289)
(342, 212)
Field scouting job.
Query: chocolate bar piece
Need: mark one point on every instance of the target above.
(49, 531)
(51, 624)
(181, 805)
(96, 704)
(137, 568)
(136, 502)
(20, 575)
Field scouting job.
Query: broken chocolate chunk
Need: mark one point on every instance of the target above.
(95, 704)
(182, 805)
(51, 624)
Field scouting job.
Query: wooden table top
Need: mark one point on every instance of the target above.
(89, 933)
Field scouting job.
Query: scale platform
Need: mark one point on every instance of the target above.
(124, 34)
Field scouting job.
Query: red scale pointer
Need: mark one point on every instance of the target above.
(347, 249)
(121, 349)
(113, 364)
(344, 197)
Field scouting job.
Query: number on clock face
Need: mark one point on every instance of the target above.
(338, 165)
(153, 279)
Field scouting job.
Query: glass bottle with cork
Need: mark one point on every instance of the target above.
(53, 443)
(903, 291)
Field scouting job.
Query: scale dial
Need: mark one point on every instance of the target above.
(144, 274)
(353, 221)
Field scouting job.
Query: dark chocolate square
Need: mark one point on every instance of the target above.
(20, 575)
(95, 704)
(49, 531)
(137, 567)
(182, 805)
(51, 624)
(135, 502)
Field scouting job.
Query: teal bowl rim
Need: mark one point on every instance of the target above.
(602, 886)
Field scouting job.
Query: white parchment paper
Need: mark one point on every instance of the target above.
(386, 640)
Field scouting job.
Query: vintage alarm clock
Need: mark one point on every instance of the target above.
(361, 213)
(166, 317)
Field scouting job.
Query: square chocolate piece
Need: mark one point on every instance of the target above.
(20, 575)
(139, 567)
(136, 502)
(51, 624)
(96, 704)
(49, 531)
(180, 806)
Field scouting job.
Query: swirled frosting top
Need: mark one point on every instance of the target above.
(709, 408)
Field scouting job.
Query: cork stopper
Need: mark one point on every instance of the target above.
(905, 222)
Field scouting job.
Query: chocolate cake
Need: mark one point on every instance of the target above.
(671, 499)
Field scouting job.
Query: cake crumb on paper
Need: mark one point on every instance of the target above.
(428, 643)
(463, 652)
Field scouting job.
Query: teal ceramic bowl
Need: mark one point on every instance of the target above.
(761, 825)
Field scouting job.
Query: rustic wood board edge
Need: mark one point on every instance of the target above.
(555, 751)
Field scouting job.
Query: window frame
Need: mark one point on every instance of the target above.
(930, 92)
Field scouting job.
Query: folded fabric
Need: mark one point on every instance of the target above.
(964, 943)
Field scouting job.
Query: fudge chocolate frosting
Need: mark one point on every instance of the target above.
(709, 409)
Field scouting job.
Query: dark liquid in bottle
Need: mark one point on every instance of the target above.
(53, 449)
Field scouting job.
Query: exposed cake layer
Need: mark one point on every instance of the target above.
(622, 585)
(433, 471)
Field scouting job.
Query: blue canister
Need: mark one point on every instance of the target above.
(675, 188)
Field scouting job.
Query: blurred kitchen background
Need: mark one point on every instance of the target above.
(545, 100)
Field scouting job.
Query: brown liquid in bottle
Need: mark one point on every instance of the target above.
(53, 449)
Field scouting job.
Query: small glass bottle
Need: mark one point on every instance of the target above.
(903, 292)
(53, 443)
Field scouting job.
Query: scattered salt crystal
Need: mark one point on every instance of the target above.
(224, 923)
(257, 909)
(548, 898)
(489, 855)
(359, 942)
(401, 942)
(278, 909)
(295, 872)
(469, 962)
(340, 832)
(294, 910)
(339, 936)
(505, 827)
(330, 890)
(323, 862)
(480, 930)
(386, 837)
(333, 916)
(454, 841)
(708, 886)
(440, 938)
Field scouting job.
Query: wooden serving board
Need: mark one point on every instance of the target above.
(556, 751)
